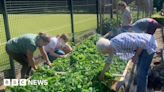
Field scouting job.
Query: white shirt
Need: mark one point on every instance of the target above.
(51, 45)
(126, 16)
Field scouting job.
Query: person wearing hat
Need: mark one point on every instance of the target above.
(22, 48)
(147, 25)
(140, 47)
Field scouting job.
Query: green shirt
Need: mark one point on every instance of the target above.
(22, 44)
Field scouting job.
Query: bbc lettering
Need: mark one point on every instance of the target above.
(23, 82)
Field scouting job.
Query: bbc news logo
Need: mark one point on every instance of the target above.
(23, 82)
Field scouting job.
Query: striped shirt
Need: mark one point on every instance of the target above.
(125, 44)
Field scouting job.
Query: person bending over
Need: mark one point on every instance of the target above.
(22, 48)
(140, 47)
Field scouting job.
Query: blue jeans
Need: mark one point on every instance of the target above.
(58, 51)
(143, 66)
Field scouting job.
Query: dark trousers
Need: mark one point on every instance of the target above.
(21, 59)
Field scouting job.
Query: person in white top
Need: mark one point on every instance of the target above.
(126, 15)
(140, 47)
(58, 47)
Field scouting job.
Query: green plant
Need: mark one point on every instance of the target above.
(80, 72)
(110, 25)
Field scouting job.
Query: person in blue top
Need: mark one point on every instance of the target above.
(147, 25)
(22, 48)
(144, 25)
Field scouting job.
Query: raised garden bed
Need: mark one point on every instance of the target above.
(77, 73)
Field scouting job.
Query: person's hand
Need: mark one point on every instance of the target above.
(101, 77)
(159, 52)
(63, 56)
(49, 63)
(35, 67)
(135, 59)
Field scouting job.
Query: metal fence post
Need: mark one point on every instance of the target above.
(7, 32)
(70, 4)
(162, 31)
(97, 12)
(111, 9)
(100, 10)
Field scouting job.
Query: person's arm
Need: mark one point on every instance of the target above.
(130, 18)
(31, 59)
(44, 54)
(107, 34)
(67, 48)
(135, 57)
(106, 67)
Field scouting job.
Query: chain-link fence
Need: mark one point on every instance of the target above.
(84, 16)
(4, 60)
(72, 17)
(18, 17)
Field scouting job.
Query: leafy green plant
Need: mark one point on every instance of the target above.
(110, 25)
(77, 73)
(158, 18)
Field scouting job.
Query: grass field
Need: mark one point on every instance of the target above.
(52, 24)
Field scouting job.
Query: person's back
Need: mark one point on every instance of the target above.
(147, 25)
(127, 41)
(139, 47)
(21, 49)
(55, 49)
(52, 44)
(22, 44)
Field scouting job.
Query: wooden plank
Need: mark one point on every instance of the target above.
(124, 76)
